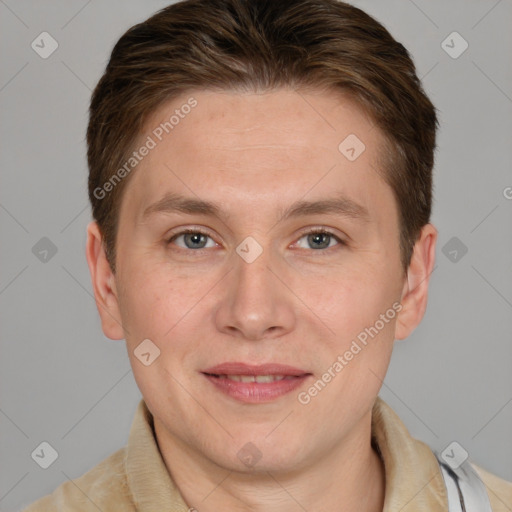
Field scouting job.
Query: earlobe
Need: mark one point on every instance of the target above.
(103, 282)
(415, 289)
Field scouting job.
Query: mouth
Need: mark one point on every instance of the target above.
(260, 379)
(255, 384)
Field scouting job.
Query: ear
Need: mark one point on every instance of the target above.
(103, 281)
(415, 290)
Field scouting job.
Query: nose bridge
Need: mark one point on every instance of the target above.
(252, 271)
(256, 303)
(253, 280)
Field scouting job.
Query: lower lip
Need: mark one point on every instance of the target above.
(254, 392)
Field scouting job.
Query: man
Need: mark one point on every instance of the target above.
(261, 182)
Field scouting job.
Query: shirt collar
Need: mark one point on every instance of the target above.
(150, 483)
(413, 479)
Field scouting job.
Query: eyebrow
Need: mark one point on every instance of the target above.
(340, 205)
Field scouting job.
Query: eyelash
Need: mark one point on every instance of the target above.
(311, 231)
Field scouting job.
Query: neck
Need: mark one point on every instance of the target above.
(349, 478)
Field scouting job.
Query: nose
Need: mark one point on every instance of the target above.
(256, 302)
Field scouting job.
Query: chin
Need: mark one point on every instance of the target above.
(261, 456)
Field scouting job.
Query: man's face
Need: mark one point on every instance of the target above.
(205, 300)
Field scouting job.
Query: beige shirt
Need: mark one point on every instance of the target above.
(135, 478)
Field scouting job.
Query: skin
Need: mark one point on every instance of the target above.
(256, 154)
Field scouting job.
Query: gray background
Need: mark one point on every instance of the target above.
(63, 382)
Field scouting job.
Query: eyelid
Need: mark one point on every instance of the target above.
(183, 231)
(323, 230)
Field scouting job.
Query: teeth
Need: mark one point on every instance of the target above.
(261, 379)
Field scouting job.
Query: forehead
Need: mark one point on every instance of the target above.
(258, 148)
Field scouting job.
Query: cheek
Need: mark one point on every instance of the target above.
(354, 302)
(150, 303)
(164, 308)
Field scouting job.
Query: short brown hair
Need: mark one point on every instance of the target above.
(261, 45)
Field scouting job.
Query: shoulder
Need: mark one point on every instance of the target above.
(499, 490)
(103, 487)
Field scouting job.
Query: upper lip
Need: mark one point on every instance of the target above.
(238, 368)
